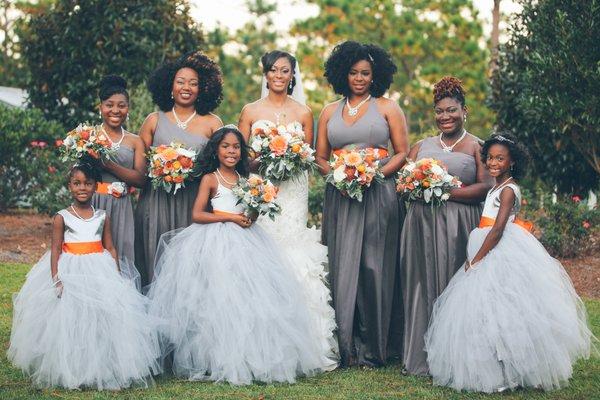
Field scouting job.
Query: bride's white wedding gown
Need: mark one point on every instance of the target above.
(307, 256)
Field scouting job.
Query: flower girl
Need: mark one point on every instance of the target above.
(511, 317)
(235, 311)
(77, 322)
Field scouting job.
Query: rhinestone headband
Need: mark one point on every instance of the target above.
(503, 139)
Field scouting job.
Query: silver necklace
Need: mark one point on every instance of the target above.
(225, 180)
(80, 217)
(448, 149)
(352, 111)
(180, 123)
(113, 144)
(500, 185)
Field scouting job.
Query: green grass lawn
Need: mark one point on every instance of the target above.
(354, 383)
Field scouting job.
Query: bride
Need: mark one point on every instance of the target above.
(282, 102)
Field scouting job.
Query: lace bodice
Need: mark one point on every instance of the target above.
(492, 202)
(79, 230)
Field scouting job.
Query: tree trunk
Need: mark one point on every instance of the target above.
(495, 34)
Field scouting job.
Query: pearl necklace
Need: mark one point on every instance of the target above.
(352, 111)
(225, 180)
(180, 123)
(80, 217)
(113, 144)
(448, 149)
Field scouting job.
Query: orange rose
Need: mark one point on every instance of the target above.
(361, 168)
(185, 162)
(254, 192)
(418, 174)
(85, 135)
(369, 159)
(278, 145)
(296, 148)
(178, 179)
(176, 165)
(425, 183)
(268, 197)
(168, 178)
(157, 171)
(350, 172)
(169, 166)
(156, 163)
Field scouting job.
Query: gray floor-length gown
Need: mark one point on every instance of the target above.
(119, 209)
(433, 246)
(157, 211)
(362, 240)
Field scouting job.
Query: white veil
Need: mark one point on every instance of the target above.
(297, 93)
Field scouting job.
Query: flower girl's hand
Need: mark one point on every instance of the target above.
(59, 288)
(242, 220)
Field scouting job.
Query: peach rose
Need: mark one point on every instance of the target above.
(169, 154)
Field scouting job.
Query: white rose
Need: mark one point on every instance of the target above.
(447, 178)
(68, 141)
(436, 169)
(339, 174)
(256, 145)
(445, 196)
(427, 195)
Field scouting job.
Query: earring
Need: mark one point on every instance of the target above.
(100, 114)
(127, 118)
(465, 117)
(172, 95)
(291, 87)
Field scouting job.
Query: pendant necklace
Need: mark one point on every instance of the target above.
(180, 123)
(352, 111)
(448, 149)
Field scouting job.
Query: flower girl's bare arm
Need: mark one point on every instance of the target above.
(58, 237)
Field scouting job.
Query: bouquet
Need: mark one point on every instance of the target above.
(171, 166)
(352, 171)
(427, 180)
(86, 141)
(281, 150)
(257, 195)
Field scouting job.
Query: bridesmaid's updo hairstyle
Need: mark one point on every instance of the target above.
(269, 59)
(210, 82)
(87, 168)
(449, 86)
(209, 160)
(348, 53)
(518, 152)
(111, 85)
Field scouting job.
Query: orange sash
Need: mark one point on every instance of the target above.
(486, 222)
(83, 247)
(103, 188)
(377, 152)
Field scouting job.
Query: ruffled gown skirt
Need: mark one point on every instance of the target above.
(235, 311)
(97, 334)
(512, 320)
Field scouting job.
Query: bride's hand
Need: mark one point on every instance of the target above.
(242, 220)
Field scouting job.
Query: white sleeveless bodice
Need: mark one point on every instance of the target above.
(79, 230)
(225, 200)
(492, 202)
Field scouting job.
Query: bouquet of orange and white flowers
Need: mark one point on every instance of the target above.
(171, 166)
(257, 195)
(86, 141)
(427, 180)
(352, 171)
(281, 150)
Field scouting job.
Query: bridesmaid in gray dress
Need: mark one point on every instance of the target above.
(124, 171)
(362, 236)
(434, 240)
(186, 92)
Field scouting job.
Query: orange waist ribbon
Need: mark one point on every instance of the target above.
(219, 212)
(486, 222)
(83, 247)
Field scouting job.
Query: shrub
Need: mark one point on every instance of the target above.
(28, 161)
(316, 194)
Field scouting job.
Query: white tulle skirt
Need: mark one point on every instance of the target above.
(97, 334)
(512, 320)
(235, 311)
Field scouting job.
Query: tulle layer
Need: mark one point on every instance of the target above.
(97, 334)
(235, 311)
(512, 320)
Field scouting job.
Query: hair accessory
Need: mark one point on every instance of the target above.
(371, 58)
(231, 126)
(503, 139)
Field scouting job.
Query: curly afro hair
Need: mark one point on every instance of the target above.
(210, 85)
(110, 85)
(89, 167)
(348, 53)
(209, 161)
(449, 86)
(269, 59)
(518, 152)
